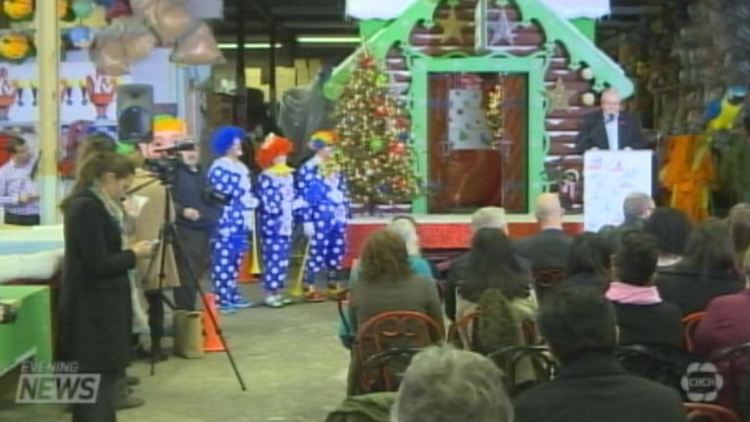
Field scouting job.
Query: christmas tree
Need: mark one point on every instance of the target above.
(375, 151)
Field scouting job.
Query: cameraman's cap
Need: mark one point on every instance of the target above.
(322, 139)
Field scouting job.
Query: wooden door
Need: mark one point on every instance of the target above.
(466, 173)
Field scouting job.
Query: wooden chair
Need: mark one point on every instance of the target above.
(701, 412)
(463, 324)
(544, 365)
(547, 278)
(689, 326)
(665, 367)
(384, 346)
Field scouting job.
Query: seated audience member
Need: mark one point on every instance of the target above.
(642, 316)
(386, 283)
(708, 269)
(447, 385)
(726, 324)
(495, 284)
(671, 227)
(405, 229)
(550, 247)
(591, 386)
(739, 231)
(636, 208)
(590, 261)
(483, 218)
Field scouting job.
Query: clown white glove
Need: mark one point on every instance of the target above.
(299, 203)
(249, 221)
(336, 196)
(309, 229)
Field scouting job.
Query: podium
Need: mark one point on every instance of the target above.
(610, 176)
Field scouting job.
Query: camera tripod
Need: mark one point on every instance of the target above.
(169, 236)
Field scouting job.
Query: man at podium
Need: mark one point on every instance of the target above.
(611, 128)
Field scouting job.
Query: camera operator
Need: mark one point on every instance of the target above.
(152, 196)
(197, 217)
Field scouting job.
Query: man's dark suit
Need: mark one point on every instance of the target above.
(595, 388)
(547, 249)
(593, 133)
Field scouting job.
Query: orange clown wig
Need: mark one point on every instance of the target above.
(273, 147)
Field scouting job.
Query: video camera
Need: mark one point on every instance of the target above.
(165, 168)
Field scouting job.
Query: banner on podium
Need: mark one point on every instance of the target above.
(609, 177)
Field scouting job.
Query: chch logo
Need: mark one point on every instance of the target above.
(702, 382)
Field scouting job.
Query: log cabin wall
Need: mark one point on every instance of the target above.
(561, 124)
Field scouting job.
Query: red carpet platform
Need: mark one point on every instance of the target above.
(445, 232)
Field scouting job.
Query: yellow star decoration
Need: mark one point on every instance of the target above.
(559, 96)
(452, 27)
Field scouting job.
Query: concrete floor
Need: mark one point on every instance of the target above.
(292, 362)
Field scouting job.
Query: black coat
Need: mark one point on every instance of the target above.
(657, 325)
(593, 133)
(95, 303)
(596, 389)
(685, 286)
(547, 249)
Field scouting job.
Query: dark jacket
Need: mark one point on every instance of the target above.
(95, 306)
(456, 274)
(726, 324)
(593, 133)
(684, 285)
(191, 191)
(547, 249)
(589, 279)
(595, 388)
(654, 325)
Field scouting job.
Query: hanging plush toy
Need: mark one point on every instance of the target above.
(15, 46)
(19, 10)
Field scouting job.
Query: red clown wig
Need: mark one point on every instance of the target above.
(274, 146)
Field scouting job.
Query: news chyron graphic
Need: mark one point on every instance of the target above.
(702, 382)
(56, 383)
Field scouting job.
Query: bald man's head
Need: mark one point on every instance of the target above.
(611, 102)
(548, 211)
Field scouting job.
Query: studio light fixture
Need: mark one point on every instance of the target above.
(248, 46)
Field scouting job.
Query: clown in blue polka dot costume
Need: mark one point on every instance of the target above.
(321, 185)
(231, 178)
(277, 203)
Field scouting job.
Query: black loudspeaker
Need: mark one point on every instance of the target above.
(135, 113)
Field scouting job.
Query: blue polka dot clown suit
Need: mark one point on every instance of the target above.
(323, 189)
(277, 202)
(231, 178)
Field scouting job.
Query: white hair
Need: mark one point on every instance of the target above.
(488, 218)
(405, 230)
(443, 384)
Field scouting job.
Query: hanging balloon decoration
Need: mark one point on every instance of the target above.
(15, 46)
(18, 10)
(83, 8)
(81, 37)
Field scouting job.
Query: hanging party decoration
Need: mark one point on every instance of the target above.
(452, 27)
(495, 112)
(81, 37)
(376, 144)
(138, 40)
(18, 10)
(83, 8)
(65, 10)
(109, 53)
(171, 21)
(15, 46)
(118, 8)
(198, 47)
